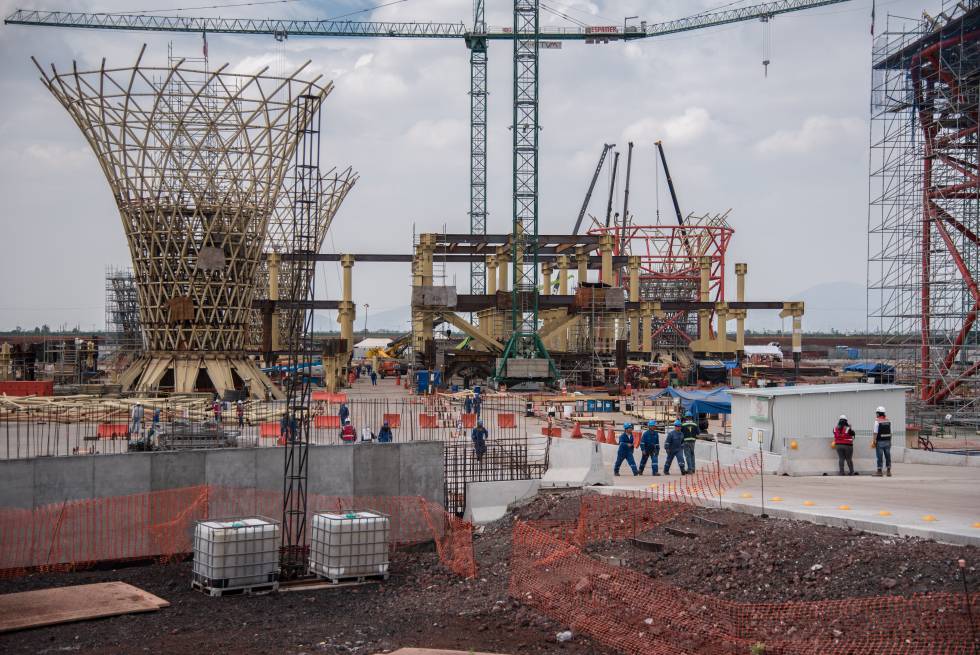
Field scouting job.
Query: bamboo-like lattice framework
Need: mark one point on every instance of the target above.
(334, 187)
(195, 160)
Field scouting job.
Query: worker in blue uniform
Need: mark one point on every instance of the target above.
(384, 434)
(674, 445)
(650, 447)
(625, 451)
(343, 413)
(479, 437)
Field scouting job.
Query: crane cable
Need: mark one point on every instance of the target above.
(766, 44)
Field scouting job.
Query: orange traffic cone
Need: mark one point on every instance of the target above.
(576, 431)
(600, 436)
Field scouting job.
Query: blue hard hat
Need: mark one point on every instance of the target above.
(651, 424)
(687, 414)
(480, 423)
(627, 426)
(677, 423)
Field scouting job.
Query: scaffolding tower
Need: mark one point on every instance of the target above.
(923, 221)
(123, 335)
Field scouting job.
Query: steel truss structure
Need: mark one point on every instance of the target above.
(924, 221)
(670, 269)
(124, 336)
(195, 160)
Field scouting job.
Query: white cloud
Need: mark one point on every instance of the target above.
(816, 132)
(685, 128)
(438, 134)
(364, 60)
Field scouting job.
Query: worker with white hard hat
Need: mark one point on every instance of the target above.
(881, 441)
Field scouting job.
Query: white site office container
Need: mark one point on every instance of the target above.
(236, 553)
(349, 545)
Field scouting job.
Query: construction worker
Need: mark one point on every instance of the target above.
(844, 444)
(625, 451)
(374, 378)
(347, 433)
(343, 413)
(881, 441)
(691, 432)
(384, 434)
(136, 419)
(156, 420)
(468, 405)
(650, 447)
(216, 408)
(240, 412)
(479, 437)
(477, 404)
(674, 445)
(287, 428)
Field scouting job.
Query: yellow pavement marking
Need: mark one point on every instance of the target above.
(884, 512)
(808, 503)
(776, 499)
(929, 517)
(844, 507)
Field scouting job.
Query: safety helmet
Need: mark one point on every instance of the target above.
(651, 424)
(687, 414)
(347, 422)
(480, 423)
(843, 417)
(627, 426)
(880, 410)
(677, 423)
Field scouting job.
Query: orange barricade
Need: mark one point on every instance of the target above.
(269, 430)
(506, 420)
(551, 432)
(112, 430)
(321, 395)
(394, 420)
(428, 421)
(159, 525)
(469, 420)
(328, 421)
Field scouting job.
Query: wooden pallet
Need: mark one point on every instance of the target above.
(248, 590)
(359, 579)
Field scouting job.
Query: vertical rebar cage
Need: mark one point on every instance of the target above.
(236, 553)
(924, 217)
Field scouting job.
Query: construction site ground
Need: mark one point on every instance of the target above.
(931, 501)
(731, 555)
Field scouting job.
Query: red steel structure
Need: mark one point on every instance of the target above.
(925, 218)
(670, 268)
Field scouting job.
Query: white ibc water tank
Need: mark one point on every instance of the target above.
(236, 552)
(349, 545)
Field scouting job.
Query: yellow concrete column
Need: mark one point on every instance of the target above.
(273, 265)
(491, 274)
(582, 261)
(606, 250)
(427, 243)
(648, 312)
(740, 272)
(721, 309)
(347, 312)
(561, 339)
(634, 268)
(503, 259)
(546, 270)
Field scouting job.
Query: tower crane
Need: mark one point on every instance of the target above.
(476, 37)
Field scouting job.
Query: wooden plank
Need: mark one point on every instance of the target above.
(33, 609)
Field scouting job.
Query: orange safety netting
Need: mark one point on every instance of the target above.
(160, 524)
(638, 615)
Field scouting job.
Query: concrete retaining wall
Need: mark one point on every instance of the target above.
(404, 469)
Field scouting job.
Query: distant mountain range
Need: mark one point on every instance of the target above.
(839, 306)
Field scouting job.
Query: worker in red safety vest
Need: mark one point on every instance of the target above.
(347, 433)
(844, 444)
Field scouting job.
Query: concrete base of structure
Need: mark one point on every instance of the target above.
(575, 463)
(487, 502)
(148, 372)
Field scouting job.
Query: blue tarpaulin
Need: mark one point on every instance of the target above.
(870, 367)
(716, 401)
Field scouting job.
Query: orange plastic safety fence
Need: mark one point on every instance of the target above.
(73, 534)
(638, 615)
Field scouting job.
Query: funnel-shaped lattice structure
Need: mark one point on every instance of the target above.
(334, 186)
(195, 160)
